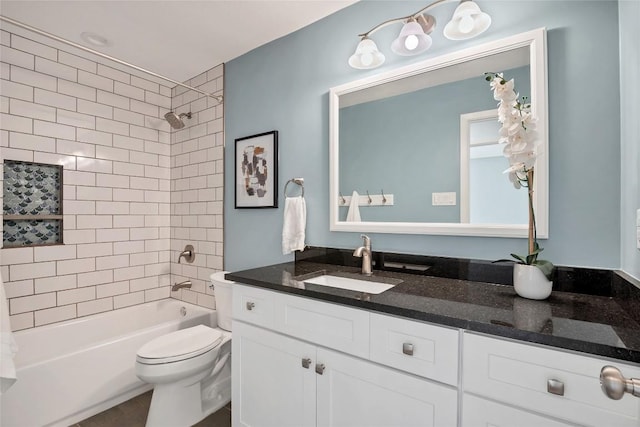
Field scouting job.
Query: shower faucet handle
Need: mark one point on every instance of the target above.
(188, 254)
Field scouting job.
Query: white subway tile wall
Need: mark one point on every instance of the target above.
(196, 159)
(129, 204)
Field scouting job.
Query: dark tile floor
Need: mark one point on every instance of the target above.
(133, 413)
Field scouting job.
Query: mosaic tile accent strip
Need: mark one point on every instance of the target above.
(31, 189)
(31, 232)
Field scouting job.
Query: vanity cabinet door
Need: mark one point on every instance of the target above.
(354, 392)
(273, 379)
(477, 412)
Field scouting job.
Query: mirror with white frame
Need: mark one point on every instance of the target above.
(416, 144)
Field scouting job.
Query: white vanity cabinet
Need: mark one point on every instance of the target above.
(303, 362)
(542, 380)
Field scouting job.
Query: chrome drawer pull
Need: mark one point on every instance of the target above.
(306, 362)
(615, 385)
(555, 387)
(250, 305)
(319, 368)
(407, 348)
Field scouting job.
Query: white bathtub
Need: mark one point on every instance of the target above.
(72, 370)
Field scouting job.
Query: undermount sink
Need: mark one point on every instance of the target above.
(368, 286)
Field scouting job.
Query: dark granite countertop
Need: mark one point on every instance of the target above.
(601, 322)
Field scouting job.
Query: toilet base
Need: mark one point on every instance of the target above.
(186, 402)
(216, 396)
(176, 406)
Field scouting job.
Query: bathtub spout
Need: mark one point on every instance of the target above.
(185, 284)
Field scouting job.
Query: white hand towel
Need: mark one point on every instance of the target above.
(8, 346)
(354, 209)
(295, 222)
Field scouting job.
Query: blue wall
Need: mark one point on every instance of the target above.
(630, 138)
(284, 85)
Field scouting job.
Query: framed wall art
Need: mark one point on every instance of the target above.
(256, 171)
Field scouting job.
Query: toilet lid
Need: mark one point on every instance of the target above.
(180, 345)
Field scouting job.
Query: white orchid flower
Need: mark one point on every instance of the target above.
(503, 92)
(514, 168)
(515, 180)
(526, 158)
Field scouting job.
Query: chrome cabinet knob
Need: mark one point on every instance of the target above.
(555, 387)
(306, 362)
(319, 368)
(250, 305)
(407, 348)
(615, 385)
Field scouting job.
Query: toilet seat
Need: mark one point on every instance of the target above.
(179, 345)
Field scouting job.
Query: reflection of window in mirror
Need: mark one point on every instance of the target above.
(487, 196)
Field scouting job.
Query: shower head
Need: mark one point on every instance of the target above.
(175, 120)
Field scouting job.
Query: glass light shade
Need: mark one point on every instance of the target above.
(366, 56)
(411, 41)
(468, 21)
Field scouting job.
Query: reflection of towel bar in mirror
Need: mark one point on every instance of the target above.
(363, 200)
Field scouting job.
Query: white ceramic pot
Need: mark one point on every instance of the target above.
(530, 282)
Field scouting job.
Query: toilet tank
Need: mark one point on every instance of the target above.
(222, 293)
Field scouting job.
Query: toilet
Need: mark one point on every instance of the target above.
(190, 369)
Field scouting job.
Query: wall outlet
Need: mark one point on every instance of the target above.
(443, 199)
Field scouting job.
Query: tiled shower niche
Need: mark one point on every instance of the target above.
(32, 204)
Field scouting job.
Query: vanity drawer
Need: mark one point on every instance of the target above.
(330, 325)
(253, 305)
(523, 375)
(419, 348)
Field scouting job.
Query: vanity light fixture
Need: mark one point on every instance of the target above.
(367, 55)
(468, 21)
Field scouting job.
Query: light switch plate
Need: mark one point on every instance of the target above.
(443, 199)
(638, 218)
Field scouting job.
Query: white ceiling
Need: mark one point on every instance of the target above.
(176, 38)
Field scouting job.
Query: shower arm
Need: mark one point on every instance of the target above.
(218, 98)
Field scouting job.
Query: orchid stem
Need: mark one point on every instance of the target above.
(532, 216)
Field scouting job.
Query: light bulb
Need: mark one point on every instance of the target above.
(411, 42)
(466, 24)
(366, 59)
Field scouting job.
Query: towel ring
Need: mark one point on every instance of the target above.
(299, 181)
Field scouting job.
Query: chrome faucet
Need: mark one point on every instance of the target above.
(364, 252)
(188, 254)
(185, 284)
